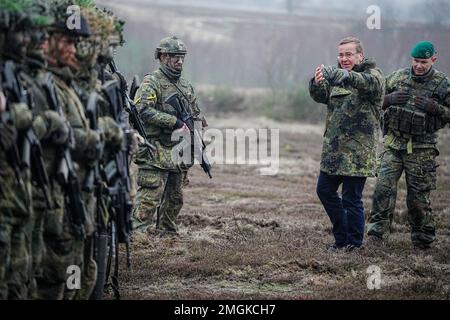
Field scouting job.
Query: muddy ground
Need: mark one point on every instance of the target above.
(249, 236)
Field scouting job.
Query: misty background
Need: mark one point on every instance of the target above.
(256, 56)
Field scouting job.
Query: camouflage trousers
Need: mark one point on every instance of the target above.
(53, 221)
(15, 243)
(159, 192)
(420, 171)
(62, 252)
(58, 256)
(89, 266)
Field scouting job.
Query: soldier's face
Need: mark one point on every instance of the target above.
(174, 61)
(422, 66)
(61, 49)
(39, 42)
(18, 42)
(348, 56)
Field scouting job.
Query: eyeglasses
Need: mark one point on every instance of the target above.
(177, 56)
(347, 55)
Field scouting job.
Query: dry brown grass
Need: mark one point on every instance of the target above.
(247, 236)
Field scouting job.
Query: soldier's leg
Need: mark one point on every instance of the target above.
(57, 257)
(6, 214)
(420, 170)
(89, 270)
(18, 272)
(74, 285)
(37, 234)
(172, 203)
(5, 254)
(151, 184)
(20, 263)
(385, 194)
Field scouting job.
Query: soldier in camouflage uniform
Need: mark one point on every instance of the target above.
(15, 200)
(65, 248)
(89, 52)
(53, 132)
(160, 178)
(416, 106)
(353, 93)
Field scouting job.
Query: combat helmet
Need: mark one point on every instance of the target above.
(13, 16)
(171, 45)
(63, 20)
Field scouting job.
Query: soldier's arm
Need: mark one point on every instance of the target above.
(112, 132)
(145, 101)
(320, 92)
(390, 83)
(368, 82)
(444, 109)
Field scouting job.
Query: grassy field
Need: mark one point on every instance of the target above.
(248, 236)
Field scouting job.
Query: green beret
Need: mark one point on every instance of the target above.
(423, 50)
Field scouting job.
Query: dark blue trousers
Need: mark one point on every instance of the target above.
(346, 213)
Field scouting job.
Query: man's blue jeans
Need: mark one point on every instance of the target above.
(346, 213)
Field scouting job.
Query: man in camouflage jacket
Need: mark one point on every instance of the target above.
(353, 93)
(416, 107)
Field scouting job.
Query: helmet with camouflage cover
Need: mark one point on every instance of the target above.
(66, 12)
(171, 45)
(14, 21)
(13, 16)
(41, 17)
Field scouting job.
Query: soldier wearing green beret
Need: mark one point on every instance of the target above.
(415, 107)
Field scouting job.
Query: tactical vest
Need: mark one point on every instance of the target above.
(165, 90)
(408, 121)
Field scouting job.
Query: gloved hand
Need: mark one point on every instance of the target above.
(113, 133)
(21, 116)
(94, 145)
(51, 125)
(335, 76)
(135, 139)
(427, 104)
(395, 98)
(8, 135)
(179, 124)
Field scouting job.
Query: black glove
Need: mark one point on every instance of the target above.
(335, 76)
(395, 98)
(179, 124)
(427, 104)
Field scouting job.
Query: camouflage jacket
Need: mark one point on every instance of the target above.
(86, 140)
(159, 118)
(33, 74)
(433, 85)
(111, 132)
(353, 121)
